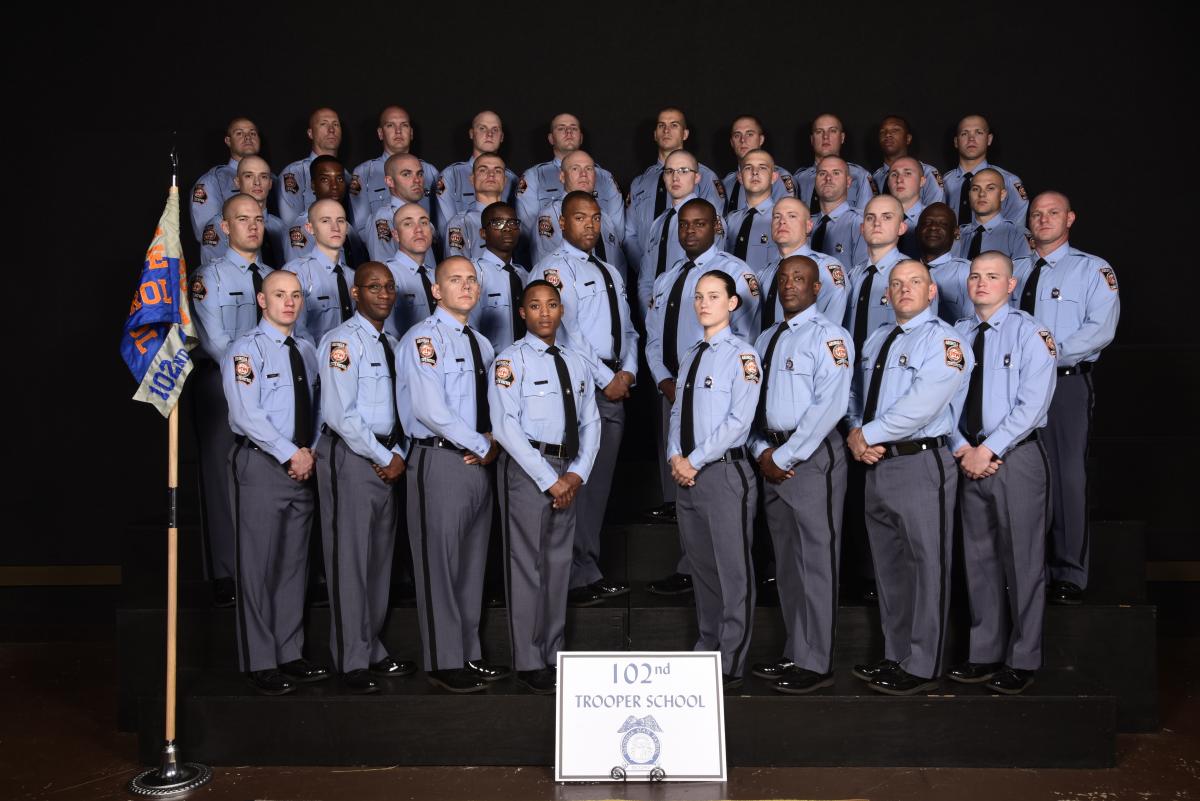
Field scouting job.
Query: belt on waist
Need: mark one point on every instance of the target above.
(550, 449)
(908, 447)
(245, 442)
(777, 438)
(612, 364)
(1083, 368)
(438, 442)
(734, 453)
(978, 439)
(388, 441)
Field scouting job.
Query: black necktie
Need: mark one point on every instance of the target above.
(732, 203)
(397, 427)
(483, 414)
(599, 249)
(570, 418)
(303, 431)
(687, 429)
(768, 306)
(614, 314)
(1029, 293)
(660, 195)
(860, 309)
(760, 414)
(428, 288)
(257, 279)
(514, 301)
(877, 376)
(818, 237)
(814, 202)
(964, 199)
(267, 253)
(973, 410)
(663, 242)
(742, 243)
(976, 242)
(671, 323)
(343, 293)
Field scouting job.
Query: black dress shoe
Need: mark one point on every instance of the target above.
(224, 592)
(540, 682)
(360, 682)
(1065, 593)
(482, 669)
(270, 682)
(901, 682)
(730, 682)
(303, 671)
(662, 514)
(607, 588)
(800, 681)
(771, 670)
(583, 596)
(393, 668)
(1011, 681)
(456, 681)
(875, 669)
(674, 584)
(973, 672)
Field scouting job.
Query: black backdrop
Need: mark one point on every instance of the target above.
(1078, 101)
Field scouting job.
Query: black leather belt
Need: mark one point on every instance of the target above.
(439, 442)
(777, 438)
(979, 439)
(246, 442)
(910, 446)
(734, 453)
(1083, 368)
(388, 441)
(612, 364)
(550, 449)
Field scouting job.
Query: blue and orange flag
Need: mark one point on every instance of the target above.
(159, 332)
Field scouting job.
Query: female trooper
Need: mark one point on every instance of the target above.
(706, 449)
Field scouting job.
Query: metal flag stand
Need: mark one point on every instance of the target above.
(171, 777)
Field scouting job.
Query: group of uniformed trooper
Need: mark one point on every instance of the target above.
(898, 349)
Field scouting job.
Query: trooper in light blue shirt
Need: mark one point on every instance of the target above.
(297, 194)
(497, 315)
(252, 176)
(895, 137)
(369, 185)
(790, 226)
(905, 183)
(749, 228)
(214, 187)
(837, 229)
(323, 272)
(827, 138)
(746, 134)
(936, 230)
(462, 235)
(972, 140)
(868, 303)
(328, 183)
(454, 189)
(648, 197)
(990, 230)
(404, 182)
(412, 267)
(1075, 295)
(578, 173)
(546, 183)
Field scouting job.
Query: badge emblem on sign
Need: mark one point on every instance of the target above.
(426, 352)
(640, 744)
(504, 373)
(243, 371)
(339, 356)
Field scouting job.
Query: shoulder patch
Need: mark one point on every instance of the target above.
(339, 356)
(837, 274)
(296, 237)
(937, 176)
(441, 185)
(751, 282)
(874, 186)
(1020, 187)
(199, 291)
(545, 227)
(504, 373)
(837, 349)
(1048, 339)
(199, 195)
(454, 239)
(522, 186)
(720, 227)
(552, 278)
(209, 238)
(954, 354)
(750, 370)
(1109, 277)
(355, 185)
(383, 231)
(243, 371)
(720, 187)
(628, 199)
(425, 351)
(788, 183)
(290, 185)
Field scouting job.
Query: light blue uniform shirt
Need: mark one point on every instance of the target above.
(412, 304)
(998, 234)
(1016, 204)
(843, 234)
(462, 235)
(209, 194)
(492, 315)
(224, 302)
(931, 192)
(879, 309)
(759, 247)
(950, 275)
(539, 186)
(322, 303)
(831, 300)
(862, 186)
(357, 395)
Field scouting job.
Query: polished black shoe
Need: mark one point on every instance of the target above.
(973, 672)
(540, 682)
(901, 682)
(1065, 593)
(662, 514)
(674, 584)
(456, 681)
(771, 670)
(224, 592)
(482, 669)
(360, 682)
(583, 596)
(607, 588)
(875, 669)
(1011, 681)
(730, 682)
(303, 671)
(800, 681)
(389, 667)
(270, 682)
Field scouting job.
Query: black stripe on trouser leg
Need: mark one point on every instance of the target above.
(506, 535)
(334, 577)
(833, 560)
(942, 567)
(1087, 446)
(239, 590)
(431, 645)
(739, 653)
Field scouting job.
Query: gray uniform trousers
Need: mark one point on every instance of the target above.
(449, 520)
(804, 516)
(1004, 524)
(593, 497)
(670, 488)
(358, 532)
(716, 523)
(537, 547)
(273, 516)
(1066, 437)
(910, 524)
(214, 439)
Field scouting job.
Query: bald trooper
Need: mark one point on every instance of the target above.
(827, 137)
(455, 192)
(545, 183)
(412, 268)
(989, 230)
(461, 234)
(972, 138)
(404, 181)
(214, 187)
(324, 275)
(790, 226)
(895, 138)
(749, 228)
(252, 176)
(369, 187)
(579, 173)
(746, 134)
(297, 193)
(837, 228)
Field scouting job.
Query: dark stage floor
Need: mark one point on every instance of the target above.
(58, 741)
